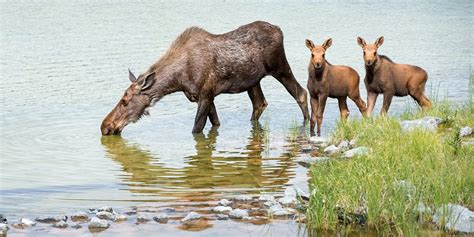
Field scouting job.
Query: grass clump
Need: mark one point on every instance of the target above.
(403, 170)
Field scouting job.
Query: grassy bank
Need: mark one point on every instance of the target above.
(379, 184)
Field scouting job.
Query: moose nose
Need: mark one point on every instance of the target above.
(318, 65)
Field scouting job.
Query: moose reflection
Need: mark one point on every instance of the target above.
(206, 173)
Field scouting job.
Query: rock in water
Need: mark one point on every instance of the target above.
(143, 218)
(224, 202)
(319, 141)
(307, 161)
(106, 209)
(238, 214)
(455, 218)
(105, 215)
(266, 198)
(27, 222)
(243, 198)
(80, 216)
(465, 131)
(191, 216)
(120, 217)
(61, 224)
(358, 151)
(426, 123)
(51, 219)
(3, 229)
(221, 209)
(331, 149)
(97, 223)
(3, 219)
(222, 217)
(161, 218)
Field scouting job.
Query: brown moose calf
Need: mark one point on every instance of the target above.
(326, 80)
(383, 76)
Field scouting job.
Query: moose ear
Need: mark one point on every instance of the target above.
(148, 81)
(327, 43)
(131, 77)
(379, 41)
(309, 44)
(361, 42)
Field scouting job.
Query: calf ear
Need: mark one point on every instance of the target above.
(327, 43)
(148, 81)
(379, 41)
(131, 77)
(361, 42)
(309, 44)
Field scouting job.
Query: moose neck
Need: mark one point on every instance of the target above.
(165, 84)
(372, 69)
(319, 73)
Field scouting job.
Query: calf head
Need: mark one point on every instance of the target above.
(370, 50)
(132, 106)
(318, 52)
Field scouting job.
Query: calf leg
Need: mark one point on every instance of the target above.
(314, 110)
(343, 107)
(360, 104)
(371, 99)
(258, 101)
(213, 115)
(387, 100)
(319, 115)
(285, 77)
(418, 95)
(204, 106)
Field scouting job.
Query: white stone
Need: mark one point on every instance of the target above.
(319, 140)
(344, 144)
(243, 198)
(98, 223)
(224, 202)
(238, 214)
(358, 151)
(221, 209)
(465, 131)
(27, 222)
(79, 216)
(143, 218)
(331, 149)
(60, 224)
(287, 200)
(426, 123)
(105, 215)
(191, 216)
(3, 229)
(456, 218)
(120, 217)
(266, 198)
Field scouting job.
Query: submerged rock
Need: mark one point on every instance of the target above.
(455, 218)
(224, 202)
(143, 218)
(222, 217)
(426, 123)
(238, 214)
(266, 198)
(97, 223)
(80, 216)
(61, 224)
(3, 229)
(331, 149)
(243, 198)
(191, 216)
(3, 219)
(51, 219)
(161, 218)
(105, 215)
(465, 131)
(221, 209)
(120, 217)
(24, 223)
(306, 148)
(106, 209)
(76, 226)
(358, 151)
(307, 161)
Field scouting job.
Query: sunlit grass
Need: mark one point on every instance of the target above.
(435, 163)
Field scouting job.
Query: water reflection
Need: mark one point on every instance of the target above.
(209, 172)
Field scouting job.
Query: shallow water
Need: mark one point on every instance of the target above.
(64, 66)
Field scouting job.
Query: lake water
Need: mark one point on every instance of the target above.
(64, 67)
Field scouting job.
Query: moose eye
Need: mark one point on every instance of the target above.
(324, 55)
(374, 53)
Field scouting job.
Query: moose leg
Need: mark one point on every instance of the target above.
(343, 107)
(387, 100)
(420, 98)
(360, 104)
(319, 115)
(314, 110)
(258, 101)
(213, 115)
(426, 103)
(371, 99)
(285, 77)
(204, 107)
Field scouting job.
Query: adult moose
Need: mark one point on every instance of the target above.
(327, 80)
(204, 65)
(383, 76)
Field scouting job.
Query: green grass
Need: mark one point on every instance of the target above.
(435, 163)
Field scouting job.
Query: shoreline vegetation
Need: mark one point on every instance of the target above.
(406, 178)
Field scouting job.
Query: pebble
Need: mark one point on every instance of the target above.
(266, 198)
(319, 141)
(51, 219)
(98, 223)
(105, 215)
(331, 149)
(120, 217)
(143, 218)
(161, 218)
(222, 217)
(243, 198)
(61, 224)
(80, 216)
(191, 216)
(344, 144)
(224, 202)
(287, 200)
(221, 209)
(106, 209)
(465, 131)
(358, 151)
(238, 214)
